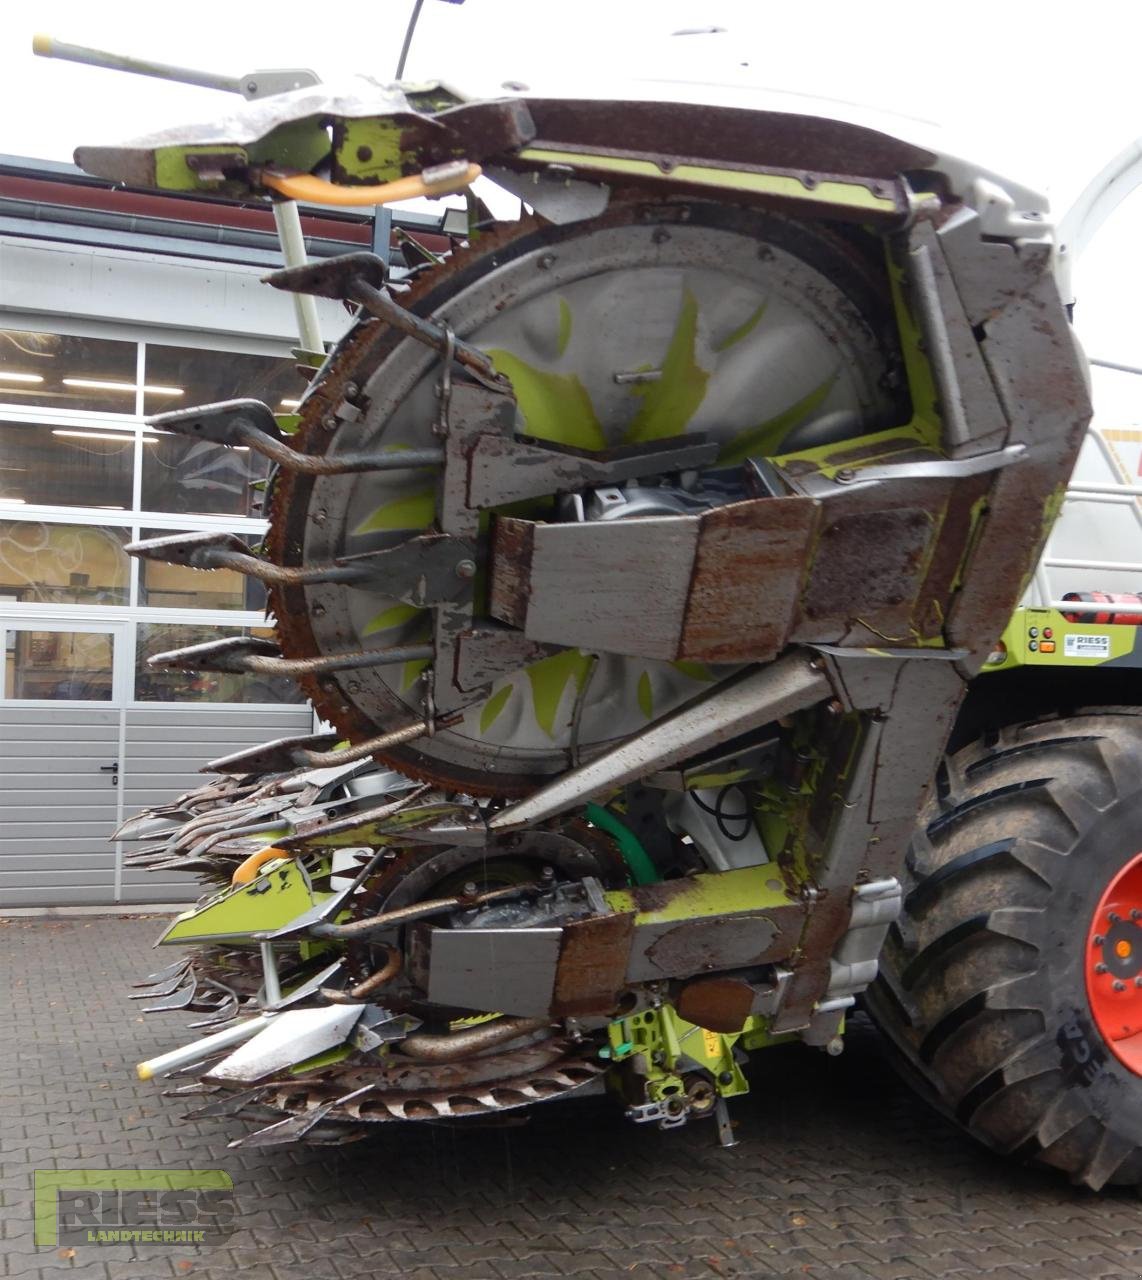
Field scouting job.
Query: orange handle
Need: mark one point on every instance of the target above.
(247, 870)
(441, 181)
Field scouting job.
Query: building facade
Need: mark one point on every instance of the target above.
(115, 305)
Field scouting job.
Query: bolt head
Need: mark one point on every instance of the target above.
(1135, 914)
(1100, 968)
(835, 1047)
(1099, 939)
(466, 569)
(1120, 986)
(1114, 918)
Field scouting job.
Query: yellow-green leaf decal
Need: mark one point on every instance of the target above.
(410, 673)
(669, 404)
(550, 677)
(694, 670)
(415, 511)
(765, 440)
(645, 695)
(742, 331)
(555, 406)
(390, 618)
(564, 325)
(493, 707)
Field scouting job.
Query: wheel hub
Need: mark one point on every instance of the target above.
(1113, 966)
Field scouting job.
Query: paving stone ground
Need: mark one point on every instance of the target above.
(839, 1171)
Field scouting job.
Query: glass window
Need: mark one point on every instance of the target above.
(190, 477)
(62, 563)
(61, 372)
(171, 586)
(69, 665)
(65, 466)
(180, 377)
(194, 686)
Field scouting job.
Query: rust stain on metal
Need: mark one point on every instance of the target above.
(747, 575)
(656, 897)
(718, 942)
(592, 965)
(718, 1004)
(512, 544)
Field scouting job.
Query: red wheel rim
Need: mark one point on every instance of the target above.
(1113, 965)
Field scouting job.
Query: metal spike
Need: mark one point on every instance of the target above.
(360, 277)
(178, 1000)
(250, 424)
(292, 753)
(227, 1106)
(161, 975)
(382, 305)
(331, 278)
(424, 570)
(246, 655)
(164, 988)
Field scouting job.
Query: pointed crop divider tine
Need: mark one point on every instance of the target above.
(247, 655)
(332, 278)
(161, 975)
(197, 1089)
(278, 756)
(428, 569)
(250, 424)
(385, 307)
(292, 1128)
(165, 987)
(307, 752)
(227, 1106)
(178, 999)
(218, 1020)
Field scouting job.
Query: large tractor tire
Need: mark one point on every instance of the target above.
(1012, 986)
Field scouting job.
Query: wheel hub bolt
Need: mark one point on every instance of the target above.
(1100, 968)
(1114, 918)
(1099, 939)
(1120, 986)
(1135, 914)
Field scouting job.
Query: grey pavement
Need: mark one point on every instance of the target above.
(839, 1171)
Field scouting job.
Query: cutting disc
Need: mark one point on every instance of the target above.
(650, 322)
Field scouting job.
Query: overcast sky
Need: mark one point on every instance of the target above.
(1047, 94)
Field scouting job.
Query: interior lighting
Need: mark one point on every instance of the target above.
(96, 384)
(92, 435)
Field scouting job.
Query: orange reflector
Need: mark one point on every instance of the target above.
(1122, 949)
